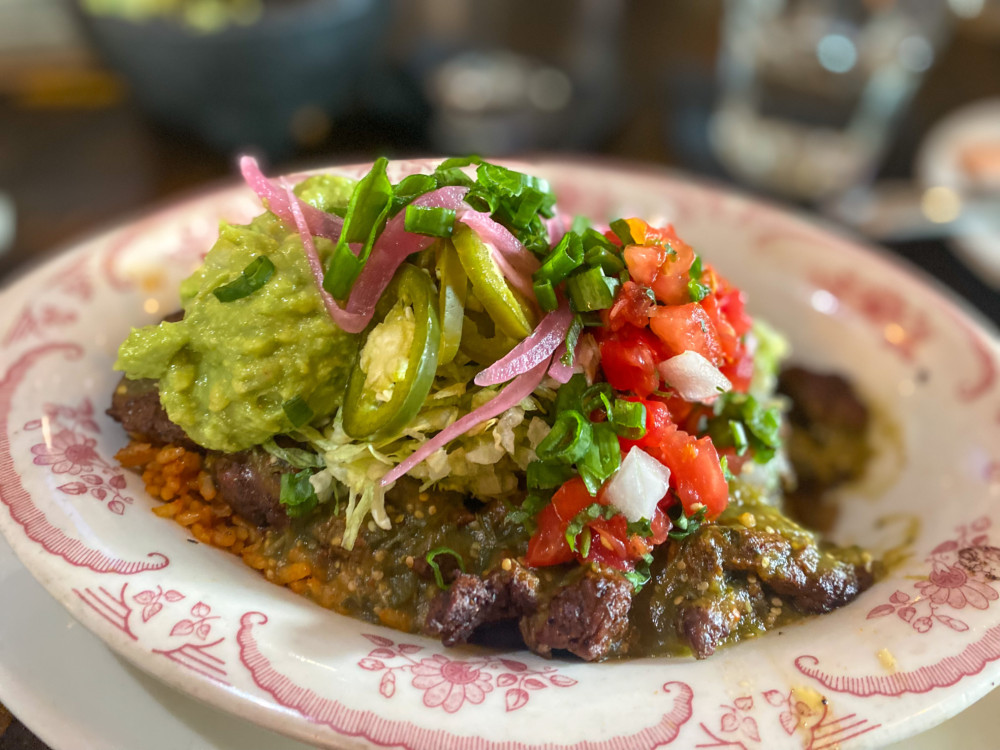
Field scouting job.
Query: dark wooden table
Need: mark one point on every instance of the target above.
(72, 167)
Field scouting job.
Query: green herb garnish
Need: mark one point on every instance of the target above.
(434, 553)
(297, 493)
(254, 276)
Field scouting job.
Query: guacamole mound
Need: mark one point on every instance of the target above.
(227, 368)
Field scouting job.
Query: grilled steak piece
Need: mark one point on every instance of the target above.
(828, 442)
(472, 601)
(588, 618)
(250, 482)
(136, 404)
(723, 574)
(823, 398)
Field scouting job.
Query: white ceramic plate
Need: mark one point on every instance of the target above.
(939, 163)
(917, 648)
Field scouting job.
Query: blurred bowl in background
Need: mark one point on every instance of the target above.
(268, 86)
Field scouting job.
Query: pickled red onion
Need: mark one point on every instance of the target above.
(558, 371)
(349, 322)
(511, 395)
(393, 246)
(319, 223)
(548, 335)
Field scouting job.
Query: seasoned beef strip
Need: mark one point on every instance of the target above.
(250, 482)
(136, 404)
(587, 616)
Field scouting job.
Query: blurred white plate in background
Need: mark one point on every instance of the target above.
(963, 152)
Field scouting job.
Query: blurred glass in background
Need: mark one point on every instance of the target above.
(497, 82)
(811, 91)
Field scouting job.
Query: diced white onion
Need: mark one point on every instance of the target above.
(641, 482)
(693, 377)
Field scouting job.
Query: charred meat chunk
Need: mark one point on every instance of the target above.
(588, 618)
(828, 443)
(472, 601)
(727, 582)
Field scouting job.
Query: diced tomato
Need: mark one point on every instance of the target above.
(610, 542)
(657, 419)
(632, 306)
(644, 262)
(629, 357)
(687, 328)
(695, 471)
(547, 545)
(740, 371)
(732, 302)
(571, 498)
(661, 261)
(722, 310)
(728, 339)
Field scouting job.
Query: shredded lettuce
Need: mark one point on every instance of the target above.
(484, 463)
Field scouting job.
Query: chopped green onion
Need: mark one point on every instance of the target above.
(605, 259)
(643, 527)
(531, 202)
(591, 290)
(585, 544)
(545, 293)
(684, 526)
(429, 220)
(622, 230)
(254, 276)
(568, 441)
(532, 505)
(629, 419)
(430, 558)
(297, 411)
(640, 576)
(726, 473)
(739, 434)
(297, 493)
(366, 215)
(340, 271)
(565, 258)
(409, 188)
(569, 394)
(572, 337)
(576, 525)
(457, 162)
(740, 421)
(597, 398)
(507, 182)
(603, 458)
(580, 224)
